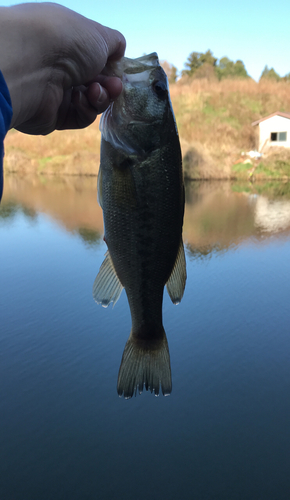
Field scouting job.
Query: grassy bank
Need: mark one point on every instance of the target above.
(68, 152)
(274, 165)
(214, 121)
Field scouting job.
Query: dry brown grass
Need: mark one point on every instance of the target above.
(242, 86)
(214, 121)
(71, 152)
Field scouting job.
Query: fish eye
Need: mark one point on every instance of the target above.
(160, 88)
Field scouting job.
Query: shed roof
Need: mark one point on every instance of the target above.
(279, 113)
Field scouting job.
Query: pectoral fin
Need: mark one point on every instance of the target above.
(107, 287)
(176, 283)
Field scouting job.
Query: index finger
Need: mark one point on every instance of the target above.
(112, 84)
(116, 43)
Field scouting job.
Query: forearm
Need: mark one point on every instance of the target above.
(21, 58)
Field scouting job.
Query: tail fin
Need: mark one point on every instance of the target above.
(145, 363)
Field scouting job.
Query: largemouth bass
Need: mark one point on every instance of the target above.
(141, 192)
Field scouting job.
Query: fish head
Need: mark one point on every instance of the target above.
(134, 120)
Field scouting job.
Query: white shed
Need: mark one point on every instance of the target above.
(274, 130)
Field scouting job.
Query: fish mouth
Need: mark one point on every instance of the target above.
(125, 68)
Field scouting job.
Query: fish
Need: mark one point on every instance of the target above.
(141, 193)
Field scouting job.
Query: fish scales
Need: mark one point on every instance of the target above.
(140, 235)
(142, 196)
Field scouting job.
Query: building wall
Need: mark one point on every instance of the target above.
(273, 124)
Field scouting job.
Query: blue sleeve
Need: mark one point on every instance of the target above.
(5, 120)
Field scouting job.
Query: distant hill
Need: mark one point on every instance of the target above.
(214, 120)
(213, 117)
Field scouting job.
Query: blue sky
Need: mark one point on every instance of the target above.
(257, 32)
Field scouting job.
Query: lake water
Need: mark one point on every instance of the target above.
(224, 433)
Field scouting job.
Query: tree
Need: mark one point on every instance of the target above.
(240, 70)
(170, 70)
(196, 59)
(270, 74)
(208, 58)
(286, 78)
(205, 72)
(230, 69)
(205, 65)
(173, 75)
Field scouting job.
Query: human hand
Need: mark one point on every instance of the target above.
(52, 63)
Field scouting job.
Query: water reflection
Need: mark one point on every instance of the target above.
(223, 215)
(218, 215)
(216, 218)
(70, 201)
(271, 216)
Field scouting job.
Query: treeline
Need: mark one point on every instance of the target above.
(272, 75)
(205, 65)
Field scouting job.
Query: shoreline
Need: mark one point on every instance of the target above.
(65, 173)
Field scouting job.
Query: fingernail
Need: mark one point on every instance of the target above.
(102, 95)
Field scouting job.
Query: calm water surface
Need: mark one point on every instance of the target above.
(224, 432)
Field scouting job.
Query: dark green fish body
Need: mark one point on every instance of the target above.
(142, 196)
